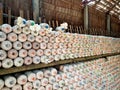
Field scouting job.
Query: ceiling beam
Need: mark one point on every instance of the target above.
(117, 12)
(96, 2)
(86, 1)
(110, 9)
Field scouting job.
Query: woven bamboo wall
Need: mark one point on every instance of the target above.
(16, 6)
(1, 13)
(115, 26)
(63, 11)
(97, 19)
(97, 22)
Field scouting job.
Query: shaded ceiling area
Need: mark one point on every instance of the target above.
(111, 7)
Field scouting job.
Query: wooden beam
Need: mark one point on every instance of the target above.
(96, 3)
(41, 8)
(1, 13)
(61, 62)
(9, 16)
(108, 23)
(35, 4)
(117, 12)
(86, 20)
(85, 2)
(21, 13)
(110, 9)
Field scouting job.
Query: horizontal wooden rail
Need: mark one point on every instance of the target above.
(41, 65)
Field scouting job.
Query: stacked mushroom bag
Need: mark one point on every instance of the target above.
(30, 80)
(28, 43)
(96, 74)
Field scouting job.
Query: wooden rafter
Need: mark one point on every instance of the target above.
(103, 6)
(110, 9)
(96, 3)
(108, 3)
(116, 12)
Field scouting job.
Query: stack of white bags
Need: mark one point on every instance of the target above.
(28, 43)
(93, 75)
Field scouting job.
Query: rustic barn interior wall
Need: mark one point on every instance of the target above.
(1, 12)
(55, 12)
(97, 20)
(17, 7)
(63, 11)
(115, 26)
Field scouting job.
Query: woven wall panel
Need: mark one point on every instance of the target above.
(115, 26)
(63, 11)
(1, 13)
(97, 19)
(16, 6)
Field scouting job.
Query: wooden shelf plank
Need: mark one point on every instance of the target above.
(41, 65)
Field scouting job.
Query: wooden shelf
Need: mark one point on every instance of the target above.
(40, 66)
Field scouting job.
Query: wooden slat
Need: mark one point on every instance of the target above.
(111, 8)
(40, 66)
(56, 23)
(1, 13)
(36, 7)
(49, 22)
(34, 17)
(22, 13)
(53, 24)
(28, 15)
(40, 20)
(9, 16)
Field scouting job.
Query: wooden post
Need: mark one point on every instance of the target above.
(40, 20)
(70, 29)
(34, 17)
(9, 16)
(35, 4)
(1, 13)
(49, 22)
(28, 15)
(108, 24)
(86, 22)
(40, 9)
(77, 30)
(21, 14)
(53, 24)
(56, 23)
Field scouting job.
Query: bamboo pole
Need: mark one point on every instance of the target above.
(9, 16)
(21, 13)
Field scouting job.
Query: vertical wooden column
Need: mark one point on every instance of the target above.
(40, 11)
(35, 4)
(86, 19)
(9, 16)
(1, 13)
(108, 25)
(21, 13)
(41, 7)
